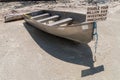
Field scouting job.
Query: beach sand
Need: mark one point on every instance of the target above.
(27, 53)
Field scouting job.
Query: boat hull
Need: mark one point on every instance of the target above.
(81, 32)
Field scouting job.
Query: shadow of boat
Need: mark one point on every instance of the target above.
(65, 50)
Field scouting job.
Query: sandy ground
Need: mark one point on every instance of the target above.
(27, 53)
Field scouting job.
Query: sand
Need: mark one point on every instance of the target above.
(27, 53)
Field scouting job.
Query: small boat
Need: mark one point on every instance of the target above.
(68, 25)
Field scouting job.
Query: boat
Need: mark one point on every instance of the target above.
(69, 25)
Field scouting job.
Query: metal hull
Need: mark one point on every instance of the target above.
(80, 32)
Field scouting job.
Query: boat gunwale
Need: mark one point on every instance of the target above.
(73, 25)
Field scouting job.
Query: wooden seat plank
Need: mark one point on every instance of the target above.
(41, 16)
(63, 21)
(49, 18)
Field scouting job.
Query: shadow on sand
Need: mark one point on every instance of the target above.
(65, 50)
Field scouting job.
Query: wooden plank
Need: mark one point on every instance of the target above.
(40, 16)
(12, 17)
(63, 21)
(17, 14)
(49, 18)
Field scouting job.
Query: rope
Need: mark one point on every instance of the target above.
(96, 40)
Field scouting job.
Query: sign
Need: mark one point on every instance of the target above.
(96, 13)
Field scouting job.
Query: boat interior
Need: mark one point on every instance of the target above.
(57, 18)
